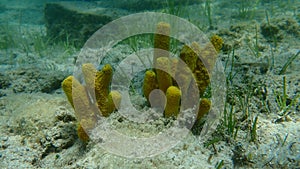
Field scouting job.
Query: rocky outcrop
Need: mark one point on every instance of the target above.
(75, 22)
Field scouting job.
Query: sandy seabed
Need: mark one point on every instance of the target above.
(38, 125)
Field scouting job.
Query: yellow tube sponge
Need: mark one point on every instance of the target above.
(67, 88)
(202, 79)
(173, 69)
(208, 56)
(189, 57)
(89, 73)
(196, 48)
(150, 83)
(204, 65)
(192, 95)
(204, 108)
(209, 53)
(116, 98)
(84, 126)
(112, 103)
(82, 135)
(78, 99)
(82, 105)
(183, 77)
(217, 42)
(173, 95)
(102, 82)
(161, 41)
(164, 79)
(201, 73)
(173, 66)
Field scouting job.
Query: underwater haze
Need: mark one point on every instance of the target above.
(150, 84)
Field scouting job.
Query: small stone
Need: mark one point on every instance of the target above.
(5, 138)
(62, 114)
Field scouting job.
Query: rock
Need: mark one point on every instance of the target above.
(137, 5)
(61, 136)
(271, 32)
(289, 25)
(34, 80)
(62, 114)
(4, 81)
(75, 22)
(22, 155)
(277, 26)
(63, 133)
(2, 93)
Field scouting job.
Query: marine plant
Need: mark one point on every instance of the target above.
(208, 13)
(246, 8)
(288, 63)
(254, 46)
(175, 8)
(253, 133)
(230, 121)
(284, 103)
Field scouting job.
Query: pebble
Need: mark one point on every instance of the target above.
(4, 138)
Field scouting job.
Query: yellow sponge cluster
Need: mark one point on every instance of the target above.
(193, 67)
(82, 97)
(217, 42)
